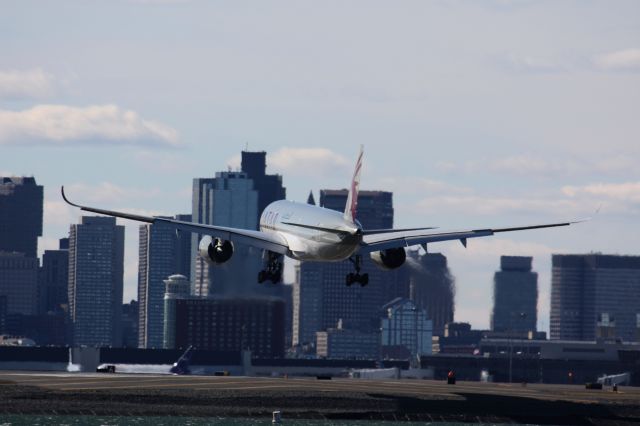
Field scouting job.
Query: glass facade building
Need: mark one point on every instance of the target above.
(595, 291)
(161, 254)
(19, 283)
(404, 324)
(320, 296)
(21, 206)
(515, 296)
(229, 199)
(96, 265)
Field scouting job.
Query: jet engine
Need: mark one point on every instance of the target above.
(215, 250)
(389, 259)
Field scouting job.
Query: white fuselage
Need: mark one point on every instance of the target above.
(307, 243)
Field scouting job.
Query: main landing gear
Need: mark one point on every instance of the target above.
(273, 270)
(362, 279)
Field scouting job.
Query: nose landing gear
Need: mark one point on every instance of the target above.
(362, 279)
(273, 269)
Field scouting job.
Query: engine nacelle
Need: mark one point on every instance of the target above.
(389, 258)
(215, 250)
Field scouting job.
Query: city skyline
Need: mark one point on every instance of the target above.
(531, 120)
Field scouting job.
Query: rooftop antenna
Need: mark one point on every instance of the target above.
(246, 146)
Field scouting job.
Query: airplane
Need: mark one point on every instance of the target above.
(311, 233)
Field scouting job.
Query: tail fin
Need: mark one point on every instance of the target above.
(352, 199)
(181, 366)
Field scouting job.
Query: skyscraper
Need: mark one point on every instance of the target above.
(269, 187)
(226, 200)
(96, 263)
(515, 296)
(19, 283)
(21, 204)
(321, 297)
(432, 287)
(161, 253)
(595, 291)
(54, 278)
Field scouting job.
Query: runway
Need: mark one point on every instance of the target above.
(311, 398)
(422, 388)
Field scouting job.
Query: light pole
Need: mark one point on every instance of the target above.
(521, 315)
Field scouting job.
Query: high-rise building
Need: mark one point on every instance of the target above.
(594, 293)
(405, 328)
(21, 204)
(54, 278)
(432, 287)
(227, 200)
(130, 324)
(321, 298)
(19, 283)
(515, 296)
(96, 264)
(162, 252)
(269, 187)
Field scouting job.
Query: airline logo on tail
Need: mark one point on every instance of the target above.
(352, 199)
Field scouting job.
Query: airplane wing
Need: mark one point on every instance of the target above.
(387, 240)
(262, 240)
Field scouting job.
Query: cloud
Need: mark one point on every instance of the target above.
(107, 192)
(530, 64)
(416, 185)
(26, 84)
(486, 205)
(621, 60)
(308, 161)
(536, 166)
(57, 125)
(627, 191)
(163, 162)
(316, 162)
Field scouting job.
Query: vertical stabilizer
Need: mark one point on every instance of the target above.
(352, 199)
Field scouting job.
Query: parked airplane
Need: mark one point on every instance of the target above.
(311, 233)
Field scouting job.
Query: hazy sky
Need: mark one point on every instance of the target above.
(473, 113)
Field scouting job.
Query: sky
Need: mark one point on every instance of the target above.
(474, 113)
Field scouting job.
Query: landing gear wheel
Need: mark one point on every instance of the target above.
(351, 278)
(273, 269)
(364, 279)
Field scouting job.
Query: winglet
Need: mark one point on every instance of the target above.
(64, 197)
(351, 207)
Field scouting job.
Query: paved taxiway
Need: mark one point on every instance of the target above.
(422, 388)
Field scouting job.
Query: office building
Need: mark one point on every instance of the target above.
(405, 330)
(269, 187)
(340, 343)
(96, 263)
(229, 199)
(595, 293)
(54, 278)
(515, 296)
(432, 287)
(130, 314)
(163, 251)
(21, 205)
(225, 324)
(321, 297)
(19, 283)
